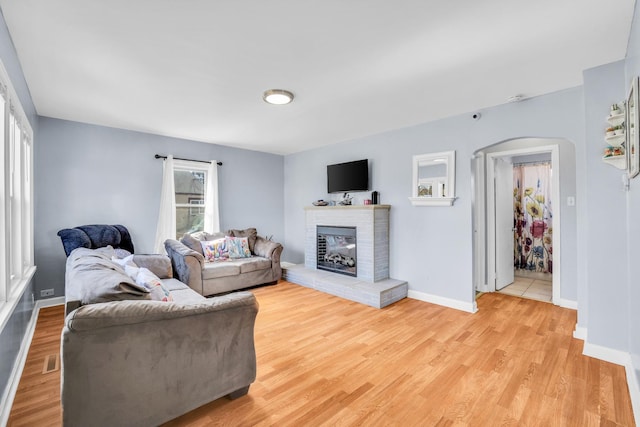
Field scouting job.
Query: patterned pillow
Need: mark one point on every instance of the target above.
(250, 233)
(215, 250)
(150, 281)
(238, 247)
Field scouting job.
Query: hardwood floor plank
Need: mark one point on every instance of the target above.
(323, 360)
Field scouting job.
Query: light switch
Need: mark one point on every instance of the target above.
(571, 201)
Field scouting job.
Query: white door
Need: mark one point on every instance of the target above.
(503, 187)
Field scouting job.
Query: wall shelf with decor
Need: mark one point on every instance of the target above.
(619, 162)
(615, 137)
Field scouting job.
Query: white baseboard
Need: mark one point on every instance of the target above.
(49, 302)
(634, 390)
(447, 302)
(619, 358)
(580, 333)
(567, 303)
(607, 354)
(14, 379)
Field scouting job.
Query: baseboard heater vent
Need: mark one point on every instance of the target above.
(51, 363)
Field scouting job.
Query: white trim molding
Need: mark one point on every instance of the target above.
(619, 358)
(14, 379)
(580, 333)
(446, 302)
(567, 303)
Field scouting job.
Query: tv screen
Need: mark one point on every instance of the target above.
(350, 176)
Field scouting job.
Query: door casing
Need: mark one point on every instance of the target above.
(485, 219)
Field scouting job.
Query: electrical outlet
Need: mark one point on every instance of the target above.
(46, 293)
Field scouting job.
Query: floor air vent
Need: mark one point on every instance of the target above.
(51, 363)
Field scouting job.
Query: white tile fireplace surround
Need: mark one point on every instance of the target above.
(372, 236)
(372, 286)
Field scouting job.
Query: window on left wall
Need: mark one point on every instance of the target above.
(16, 196)
(190, 186)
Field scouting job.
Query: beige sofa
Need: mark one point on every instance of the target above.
(212, 278)
(131, 361)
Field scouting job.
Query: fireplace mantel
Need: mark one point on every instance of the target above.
(372, 230)
(349, 207)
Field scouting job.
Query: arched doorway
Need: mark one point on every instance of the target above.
(492, 259)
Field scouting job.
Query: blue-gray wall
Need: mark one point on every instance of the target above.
(605, 229)
(87, 174)
(431, 247)
(13, 332)
(632, 68)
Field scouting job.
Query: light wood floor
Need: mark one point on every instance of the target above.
(323, 360)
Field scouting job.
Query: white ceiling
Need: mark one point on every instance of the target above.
(197, 69)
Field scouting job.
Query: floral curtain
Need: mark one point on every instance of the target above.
(532, 217)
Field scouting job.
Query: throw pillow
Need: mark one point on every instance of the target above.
(215, 250)
(238, 247)
(150, 281)
(249, 233)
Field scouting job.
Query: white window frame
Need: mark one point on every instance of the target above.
(191, 166)
(16, 199)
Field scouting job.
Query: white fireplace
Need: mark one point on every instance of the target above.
(371, 223)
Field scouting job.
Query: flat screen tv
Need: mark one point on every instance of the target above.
(350, 176)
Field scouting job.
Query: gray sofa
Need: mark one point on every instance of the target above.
(212, 278)
(131, 361)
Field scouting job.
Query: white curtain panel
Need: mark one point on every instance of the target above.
(211, 211)
(167, 218)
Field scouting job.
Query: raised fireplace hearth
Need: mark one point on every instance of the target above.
(336, 248)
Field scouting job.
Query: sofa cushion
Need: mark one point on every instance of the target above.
(203, 235)
(174, 284)
(213, 270)
(95, 236)
(187, 296)
(250, 233)
(253, 264)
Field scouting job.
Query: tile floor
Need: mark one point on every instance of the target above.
(528, 287)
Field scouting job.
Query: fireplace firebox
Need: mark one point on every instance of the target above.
(336, 249)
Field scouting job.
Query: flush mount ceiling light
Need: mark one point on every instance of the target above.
(515, 98)
(277, 96)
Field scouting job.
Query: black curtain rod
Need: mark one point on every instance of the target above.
(158, 156)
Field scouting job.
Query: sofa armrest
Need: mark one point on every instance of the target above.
(119, 357)
(270, 250)
(267, 249)
(158, 264)
(187, 264)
